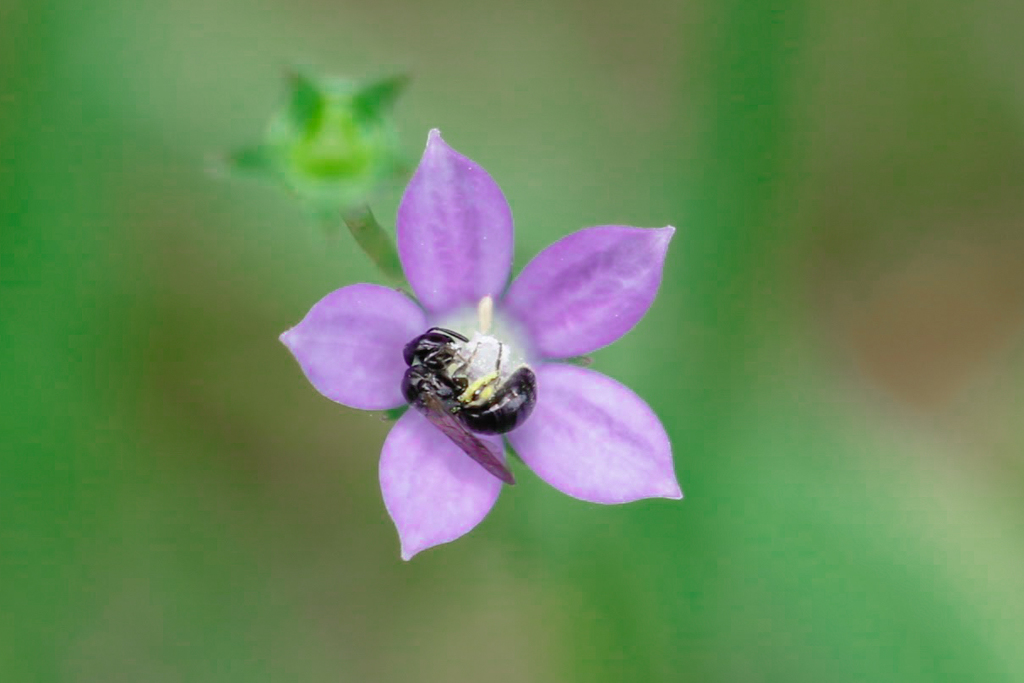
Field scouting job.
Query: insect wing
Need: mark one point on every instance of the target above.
(465, 439)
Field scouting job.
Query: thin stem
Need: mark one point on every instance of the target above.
(375, 241)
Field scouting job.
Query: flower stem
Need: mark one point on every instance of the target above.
(374, 240)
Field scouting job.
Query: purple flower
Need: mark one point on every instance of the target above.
(588, 436)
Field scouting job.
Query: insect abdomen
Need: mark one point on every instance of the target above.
(511, 404)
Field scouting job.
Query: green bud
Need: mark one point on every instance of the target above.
(334, 142)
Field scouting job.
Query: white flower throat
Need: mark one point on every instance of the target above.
(485, 361)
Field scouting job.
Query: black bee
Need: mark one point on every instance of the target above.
(438, 385)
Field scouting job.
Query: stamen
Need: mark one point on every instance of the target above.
(485, 313)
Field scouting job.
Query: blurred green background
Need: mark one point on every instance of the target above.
(836, 350)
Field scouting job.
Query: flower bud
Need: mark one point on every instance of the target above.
(333, 144)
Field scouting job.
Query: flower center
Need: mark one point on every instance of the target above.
(483, 324)
(481, 380)
(484, 356)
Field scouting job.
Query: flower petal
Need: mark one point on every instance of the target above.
(589, 288)
(594, 439)
(350, 345)
(433, 491)
(454, 230)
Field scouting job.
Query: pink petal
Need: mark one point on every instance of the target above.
(594, 439)
(589, 288)
(454, 230)
(433, 491)
(350, 345)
